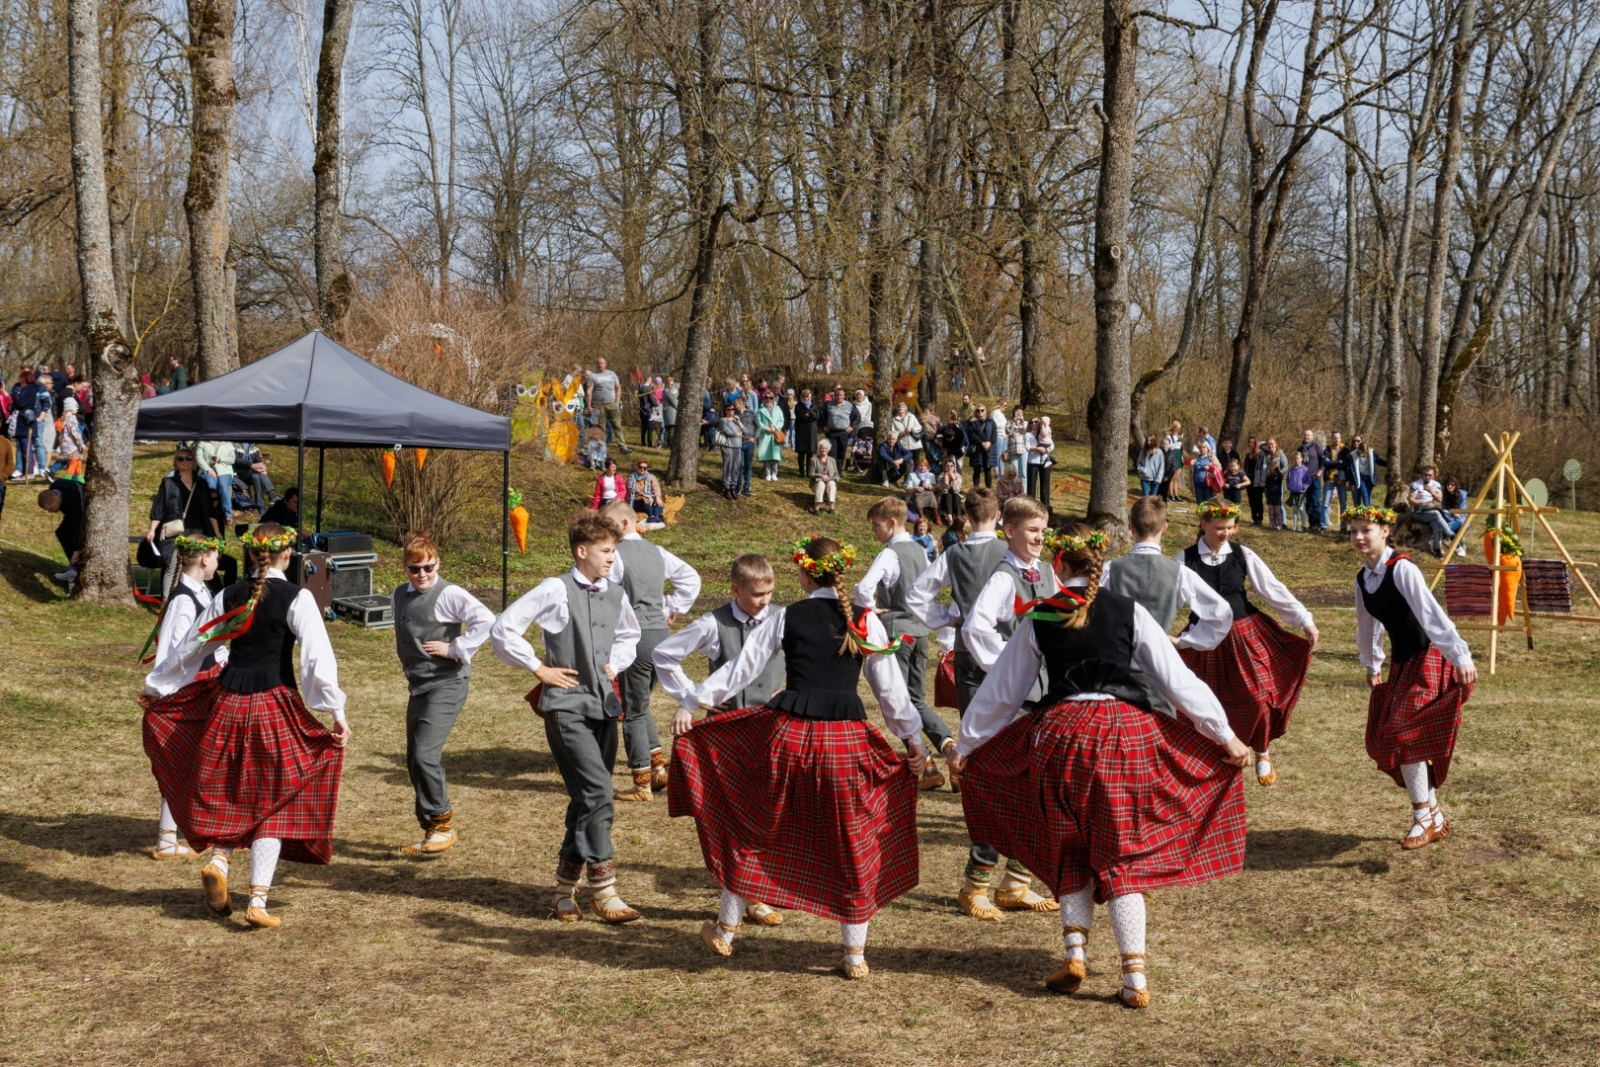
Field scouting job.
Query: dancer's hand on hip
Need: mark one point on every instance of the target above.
(558, 677)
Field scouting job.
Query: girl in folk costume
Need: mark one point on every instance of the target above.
(1412, 718)
(241, 760)
(1101, 796)
(186, 603)
(799, 802)
(1259, 669)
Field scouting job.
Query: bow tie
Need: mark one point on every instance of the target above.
(589, 588)
(1031, 575)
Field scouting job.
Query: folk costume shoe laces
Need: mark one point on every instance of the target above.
(1075, 968)
(658, 771)
(609, 906)
(1134, 992)
(1265, 775)
(214, 883)
(641, 791)
(718, 938)
(763, 915)
(168, 847)
(974, 898)
(437, 838)
(566, 902)
(1424, 829)
(256, 914)
(855, 962)
(1015, 893)
(931, 778)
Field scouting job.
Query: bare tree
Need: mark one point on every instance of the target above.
(333, 283)
(205, 202)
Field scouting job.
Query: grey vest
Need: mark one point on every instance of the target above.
(971, 565)
(899, 620)
(1028, 591)
(585, 646)
(644, 579)
(1151, 579)
(730, 636)
(414, 623)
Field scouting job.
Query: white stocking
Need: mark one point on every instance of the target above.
(219, 858)
(1415, 775)
(730, 915)
(263, 862)
(167, 825)
(1127, 923)
(854, 936)
(1077, 909)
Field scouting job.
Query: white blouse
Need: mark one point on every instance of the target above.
(177, 620)
(319, 671)
(699, 636)
(882, 673)
(1006, 685)
(995, 604)
(1409, 580)
(1272, 592)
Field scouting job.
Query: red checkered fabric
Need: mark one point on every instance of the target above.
(238, 766)
(1257, 673)
(799, 813)
(945, 694)
(1101, 790)
(1413, 717)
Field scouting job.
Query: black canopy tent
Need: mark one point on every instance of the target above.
(317, 393)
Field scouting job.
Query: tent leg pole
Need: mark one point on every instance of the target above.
(321, 453)
(505, 531)
(300, 483)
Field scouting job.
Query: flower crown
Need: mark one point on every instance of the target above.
(271, 542)
(1057, 543)
(832, 563)
(1510, 543)
(185, 543)
(1219, 508)
(1370, 513)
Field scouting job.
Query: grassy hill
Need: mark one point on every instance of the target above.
(1332, 948)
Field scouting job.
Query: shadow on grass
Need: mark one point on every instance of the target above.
(1292, 850)
(647, 946)
(483, 768)
(29, 574)
(21, 882)
(93, 835)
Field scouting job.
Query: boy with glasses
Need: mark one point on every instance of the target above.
(437, 628)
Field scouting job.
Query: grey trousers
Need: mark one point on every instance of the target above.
(584, 750)
(913, 662)
(430, 715)
(969, 677)
(639, 736)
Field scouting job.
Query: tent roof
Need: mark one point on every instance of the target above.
(318, 391)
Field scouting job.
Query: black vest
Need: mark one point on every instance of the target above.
(263, 658)
(1095, 657)
(179, 589)
(1227, 579)
(1406, 636)
(821, 682)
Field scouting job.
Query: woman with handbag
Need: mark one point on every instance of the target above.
(770, 435)
(174, 509)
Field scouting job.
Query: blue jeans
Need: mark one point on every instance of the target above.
(1149, 488)
(1328, 489)
(1314, 505)
(223, 484)
(1363, 492)
(749, 462)
(652, 512)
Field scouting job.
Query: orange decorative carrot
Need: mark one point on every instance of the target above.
(519, 520)
(388, 469)
(422, 456)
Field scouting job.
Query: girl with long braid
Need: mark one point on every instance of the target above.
(240, 758)
(1098, 794)
(187, 601)
(800, 803)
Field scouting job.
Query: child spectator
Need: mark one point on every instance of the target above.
(1299, 482)
(1234, 482)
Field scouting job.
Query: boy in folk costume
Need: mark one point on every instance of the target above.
(800, 802)
(643, 569)
(883, 589)
(1105, 797)
(1020, 578)
(437, 628)
(1161, 586)
(590, 634)
(187, 602)
(1413, 717)
(240, 758)
(719, 635)
(1259, 669)
(963, 568)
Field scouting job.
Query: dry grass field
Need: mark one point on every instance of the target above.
(1332, 947)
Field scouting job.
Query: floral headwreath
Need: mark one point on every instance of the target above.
(273, 543)
(1370, 513)
(1057, 543)
(185, 543)
(1510, 543)
(1216, 508)
(832, 563)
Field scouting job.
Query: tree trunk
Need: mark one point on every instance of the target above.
(1347, 325)
(205, 201)
(1109, 407)
(103, 565)
(879, 254)
(333, 284)
(119, 149)
(1439, 255)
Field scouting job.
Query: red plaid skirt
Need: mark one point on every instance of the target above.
(945, 694)
(1102, 790)
(799, 813)
(237, 766)
(1257, 673)
(1413, 717)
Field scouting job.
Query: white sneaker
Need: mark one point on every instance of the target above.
(1461, 550)
(68, 575)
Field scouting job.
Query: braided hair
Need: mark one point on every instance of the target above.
(821, 548)
(263, 559)
(1085, 562)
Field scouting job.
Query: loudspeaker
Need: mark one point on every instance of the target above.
(352, 582)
